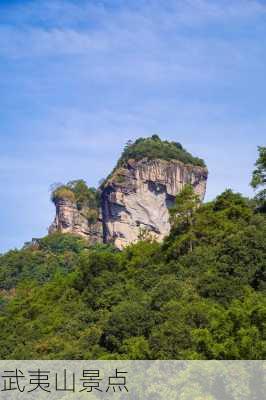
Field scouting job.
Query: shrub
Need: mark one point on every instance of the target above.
(78, 192)
(91, 215)
(63, 192)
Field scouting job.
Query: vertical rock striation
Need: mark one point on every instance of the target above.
(69, 219)
(135, 199)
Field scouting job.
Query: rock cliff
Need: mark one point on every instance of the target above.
(69, 219)
(134, 200)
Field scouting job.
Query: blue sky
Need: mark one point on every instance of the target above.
(80, 78)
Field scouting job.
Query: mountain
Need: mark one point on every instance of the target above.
(135, 198)
(197, 294)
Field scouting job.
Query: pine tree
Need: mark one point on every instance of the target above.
(183, 211)
(259, 178)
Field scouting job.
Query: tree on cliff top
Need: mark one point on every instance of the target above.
(78, 192)
(155, 148)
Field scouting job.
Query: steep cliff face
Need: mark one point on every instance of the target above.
(135, 199)
(133, 202)
(69, 219)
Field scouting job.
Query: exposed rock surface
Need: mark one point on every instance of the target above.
(134, 202)
(69, 219)
(135, 199)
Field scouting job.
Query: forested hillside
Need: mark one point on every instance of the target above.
(198, 295)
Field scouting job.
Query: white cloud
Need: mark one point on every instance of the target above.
(150, 26)
(78, 80)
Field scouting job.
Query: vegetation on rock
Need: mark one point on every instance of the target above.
(63, 192)
(77, 191)
(155, 148)
(198, 295)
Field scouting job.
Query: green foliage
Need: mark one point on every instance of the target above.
(182, 215)
(61, 243)
(55, 254)
(85, 196)
(155, 148)
(183, 210)
(91, 214)
(87, 199)
(63, 300)
(259, 178)
(63, 192)
(198, 295)
(77, 191)
(259, 174)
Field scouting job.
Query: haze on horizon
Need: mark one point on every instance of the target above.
(79, 80)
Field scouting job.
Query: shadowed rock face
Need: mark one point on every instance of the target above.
(136, 198)
(134, 202)
(69, 219)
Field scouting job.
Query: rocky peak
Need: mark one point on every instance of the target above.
(73, 217)
(134, 199)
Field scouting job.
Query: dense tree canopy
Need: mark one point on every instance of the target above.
(155, 148)
(198, 295)
(61, 299)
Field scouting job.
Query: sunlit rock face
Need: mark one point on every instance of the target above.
(136, 198)
(69, 219)
(135, 201)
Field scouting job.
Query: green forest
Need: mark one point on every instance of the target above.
(198, 295)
